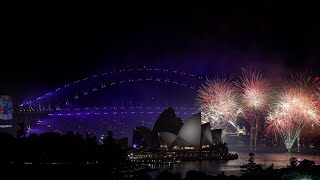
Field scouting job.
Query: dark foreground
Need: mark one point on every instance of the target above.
(54, 156)
(95, 173)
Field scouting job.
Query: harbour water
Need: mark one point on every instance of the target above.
(232, 167)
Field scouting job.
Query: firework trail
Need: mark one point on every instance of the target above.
(297, 106)
(219, 103)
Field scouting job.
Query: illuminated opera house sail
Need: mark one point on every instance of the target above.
(170, 132)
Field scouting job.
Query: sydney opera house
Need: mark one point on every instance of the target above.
(169, 132)
(172, 140)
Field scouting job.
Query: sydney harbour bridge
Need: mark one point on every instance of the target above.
(117, 100)
(69, 95)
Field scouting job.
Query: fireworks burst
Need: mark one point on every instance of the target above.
(219, 103)
(255, 93)
(296, 107)
(255, 99)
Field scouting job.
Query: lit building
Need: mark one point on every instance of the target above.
(170, 132)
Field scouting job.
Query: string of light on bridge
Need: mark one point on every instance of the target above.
(130, 80)
(112, 108)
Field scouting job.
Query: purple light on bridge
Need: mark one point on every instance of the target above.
(100, 82)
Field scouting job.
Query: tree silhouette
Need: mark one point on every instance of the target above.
(251, 168)
(307, 164)
(21, 133)
(293, 162)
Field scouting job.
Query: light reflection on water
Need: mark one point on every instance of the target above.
(232, 167)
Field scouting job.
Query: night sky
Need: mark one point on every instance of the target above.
(47, 47)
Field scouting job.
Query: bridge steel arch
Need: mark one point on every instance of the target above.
(62, 96)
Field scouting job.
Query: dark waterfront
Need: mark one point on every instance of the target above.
(276, 155)
(232, 167)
